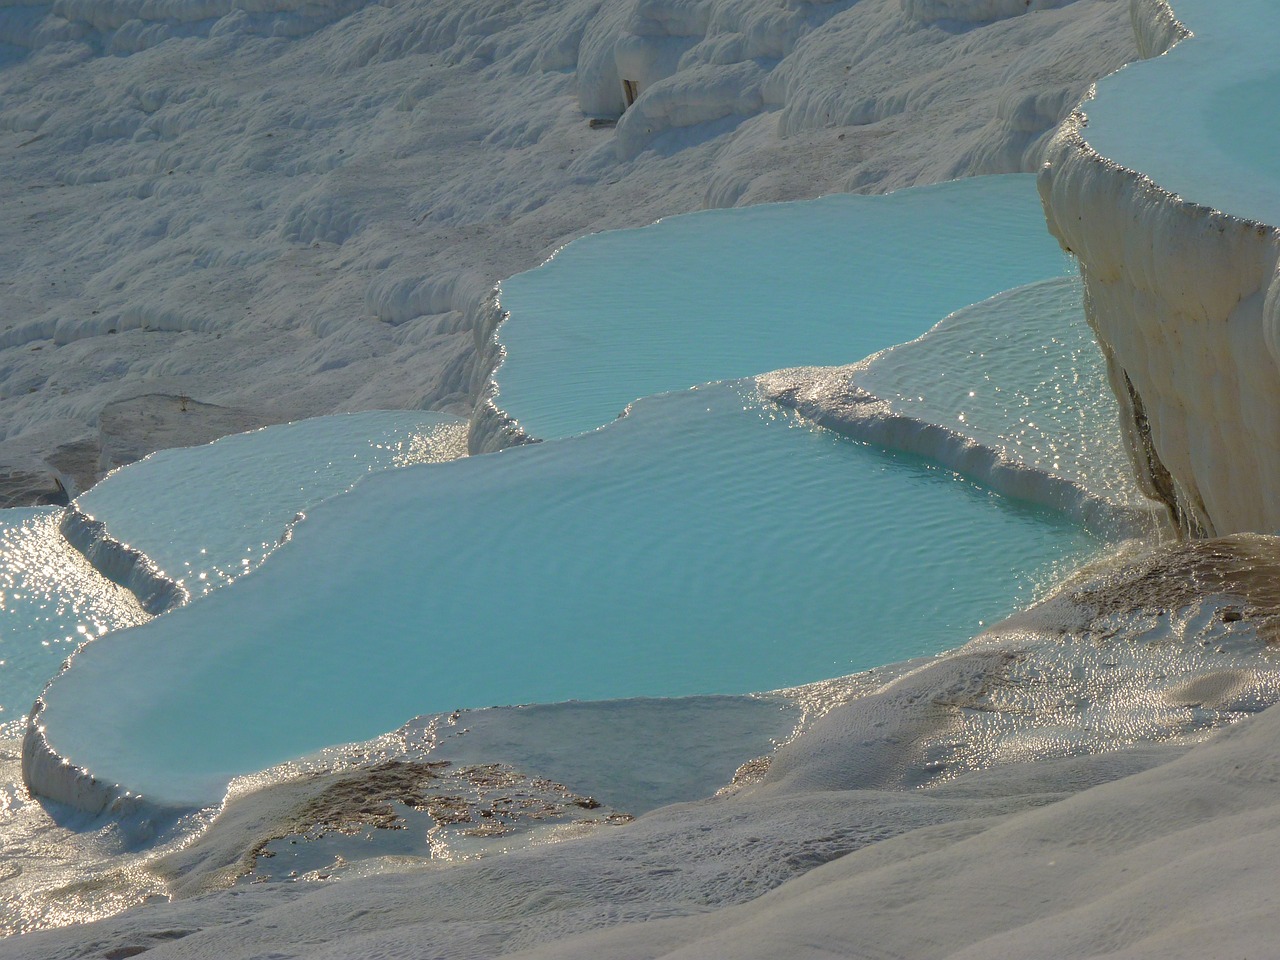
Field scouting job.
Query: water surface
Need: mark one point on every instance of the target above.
(731, 293)
(708, 543)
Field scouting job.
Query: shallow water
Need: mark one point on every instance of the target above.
(207, 516)
(708, 543)
(732, 293)
(1020, 374)
(51, 601)
(203, 519)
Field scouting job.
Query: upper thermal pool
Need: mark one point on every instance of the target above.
(749, 290)
(1196, 120)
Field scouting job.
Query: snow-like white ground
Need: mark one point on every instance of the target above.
(301, 209)
(908, 822)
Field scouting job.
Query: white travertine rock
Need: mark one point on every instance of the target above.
(1175, 292)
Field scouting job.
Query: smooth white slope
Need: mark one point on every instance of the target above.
(289, 210)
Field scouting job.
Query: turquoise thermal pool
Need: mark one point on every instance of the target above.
(725, 294)
(707, 543)
(1197, 119)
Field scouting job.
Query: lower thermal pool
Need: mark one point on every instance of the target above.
(707, 543)
(724, 294)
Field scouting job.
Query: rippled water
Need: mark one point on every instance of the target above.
(708, 543)
(51, 601)
(208, 515)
